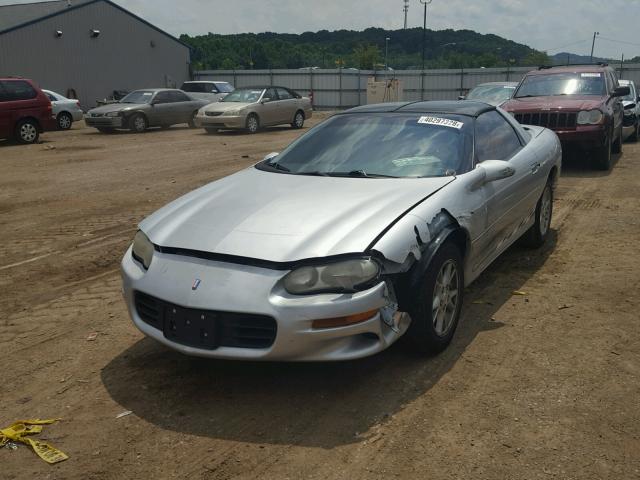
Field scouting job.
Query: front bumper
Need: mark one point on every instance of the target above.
(584, 136)
(220, 121)
(225, 287)
(109, 122)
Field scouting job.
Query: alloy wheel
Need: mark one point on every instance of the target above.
(545, 211)
(445, 298)
(28, 132)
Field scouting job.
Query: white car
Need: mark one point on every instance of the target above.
(214, 91)
(365, 229)
(66, 110)
(631, 105)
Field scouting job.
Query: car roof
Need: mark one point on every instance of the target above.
(205, 81)
(625, 82)
(156, 90)
(570, 69)
(506, 84)
(468, 108)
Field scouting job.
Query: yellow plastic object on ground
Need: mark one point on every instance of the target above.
(17, 432)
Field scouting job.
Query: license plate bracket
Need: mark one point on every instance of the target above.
(194, 328)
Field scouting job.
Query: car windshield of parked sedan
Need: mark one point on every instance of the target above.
(139, 96)
(244, 95)
(491, 93)
(224, 87)
(381, 145)
(582, 83)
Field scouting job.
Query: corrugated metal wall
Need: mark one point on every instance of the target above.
(121, 58)
(347, 87)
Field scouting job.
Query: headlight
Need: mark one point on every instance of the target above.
(232, 112)
(346, 276)
(142, 249)
(112, 114)
(629, 111)
(590, 117)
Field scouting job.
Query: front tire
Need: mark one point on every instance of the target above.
(253, 123)
(298, 120)
(634, 135)
(537, 235)
(106, 129)
(64, 121)
(192, 120)
(617, 144)
(211, 130)
(436, 308)
(27, 131)
(138, 123)
(603, 155)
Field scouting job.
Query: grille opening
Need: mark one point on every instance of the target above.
(228, 329)
(552, 120)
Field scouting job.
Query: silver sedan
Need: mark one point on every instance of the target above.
(251, 108)
(141, 109)
(365, 229)
(66, 110)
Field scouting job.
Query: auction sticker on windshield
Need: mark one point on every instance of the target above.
(445, 122)
(588, 74)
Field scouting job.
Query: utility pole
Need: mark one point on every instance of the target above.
(424, 29)
(593, 44)
(405, 9)
(386, 52)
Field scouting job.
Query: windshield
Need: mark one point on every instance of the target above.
(584, 83)
(244, 95)
(491, 93)
(139, 96)
(381, 145)
(224, 87)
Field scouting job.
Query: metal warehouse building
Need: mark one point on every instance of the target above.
(88, 48)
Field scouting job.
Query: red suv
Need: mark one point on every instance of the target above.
(581, 103)
(25, 111)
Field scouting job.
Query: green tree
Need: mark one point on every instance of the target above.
(366, 56)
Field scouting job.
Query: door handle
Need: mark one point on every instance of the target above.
(535, 167)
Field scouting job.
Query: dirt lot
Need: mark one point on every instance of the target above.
(545, 385)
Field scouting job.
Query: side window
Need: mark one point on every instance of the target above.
(51, 97)
(162, 97)
(178, 97)
(284, 94)
(495, 138)
(18, 90)
(271, 93)
(211, 88)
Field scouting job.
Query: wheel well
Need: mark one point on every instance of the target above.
(33, 119)
(300, 111)
(63, 112)
(553, 176)
(460, 239)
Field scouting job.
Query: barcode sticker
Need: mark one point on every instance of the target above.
(589, 74)
(444, 122)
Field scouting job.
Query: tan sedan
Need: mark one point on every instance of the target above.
(251, 108)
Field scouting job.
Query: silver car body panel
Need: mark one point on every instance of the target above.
(627, 128)
(61, 104)
(240, 235)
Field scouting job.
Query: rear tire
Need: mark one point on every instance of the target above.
(138, 123)
(27, 131)
(537, 235)
(436, 309)
(64, 121)
(298, 120)
(603, 155)
(253, 123)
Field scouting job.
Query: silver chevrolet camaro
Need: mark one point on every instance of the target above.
(365, 229)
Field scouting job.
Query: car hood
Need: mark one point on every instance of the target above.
(117, 107)
(283, 218)
(569, 103)
(224, 106)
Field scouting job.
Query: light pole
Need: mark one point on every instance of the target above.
(406, 9)
(424, 28)
(593, 43)
(386, 52)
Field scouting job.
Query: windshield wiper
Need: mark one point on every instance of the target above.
(315, 173)
(528, 96)
(360, 173)
(277, 166)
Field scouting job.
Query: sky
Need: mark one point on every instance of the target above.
(549, 25)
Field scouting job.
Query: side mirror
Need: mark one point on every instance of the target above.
(270, 156)
(266, 99)
(462, 97)
(490, 171)
(621, 91)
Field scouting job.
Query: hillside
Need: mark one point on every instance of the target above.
(358, 49)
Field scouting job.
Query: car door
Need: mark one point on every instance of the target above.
(268, 109)
(161, 111)
(183, 107)
(616, 102)
(5, 115)
(511, 200)
(287, 105)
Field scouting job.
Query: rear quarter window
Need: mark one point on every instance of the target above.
(11, 90)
